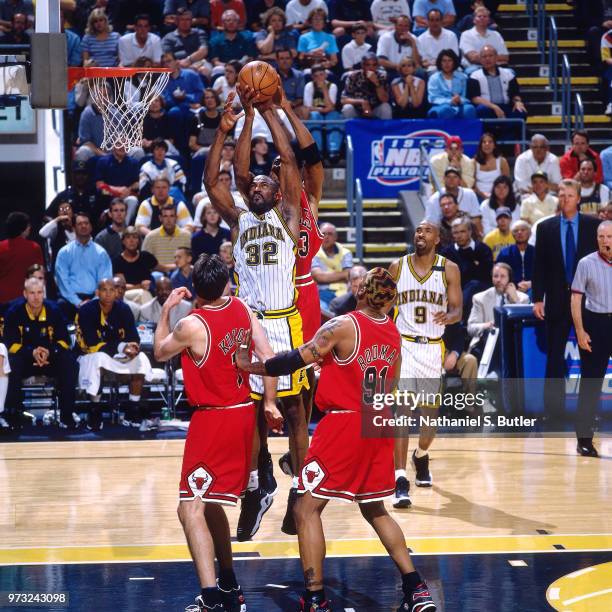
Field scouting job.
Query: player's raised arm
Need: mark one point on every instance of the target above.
(337, 333)
(167, 344)
(454, 296)
(219, 195)
(242, 155)
(313, 173)
(290, 178)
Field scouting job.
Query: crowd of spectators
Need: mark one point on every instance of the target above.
(489, 214)
(129, 225)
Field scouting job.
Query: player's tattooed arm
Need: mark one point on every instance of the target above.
(455, 296)
(186, 334)
(323, 342)
(285, 363)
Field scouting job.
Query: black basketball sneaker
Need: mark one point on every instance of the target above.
(421, 467)
(254, 505)
(233, 599)
(418, 600)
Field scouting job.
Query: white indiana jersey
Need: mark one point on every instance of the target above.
(418, 299)
(264, 255)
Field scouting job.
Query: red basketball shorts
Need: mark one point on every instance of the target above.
(310, 309)
(217, 455)
(341, 464)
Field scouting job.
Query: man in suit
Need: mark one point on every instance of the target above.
(481, 318)
(561, 241)
(474, 258)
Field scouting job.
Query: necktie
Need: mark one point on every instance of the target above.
(570, 253)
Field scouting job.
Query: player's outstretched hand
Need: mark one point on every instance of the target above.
(229, 118)
(248, 98)
(243, 358)
(181, 293)
(280, 98)
(273, 417)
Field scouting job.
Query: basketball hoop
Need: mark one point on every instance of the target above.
(123, 97)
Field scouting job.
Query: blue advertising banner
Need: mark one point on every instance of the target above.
(387, 156)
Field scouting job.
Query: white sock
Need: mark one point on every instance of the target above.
(253, 481)
(134, 398)
(420, 452)
(294, 482)
(400, 474)
(3, 390)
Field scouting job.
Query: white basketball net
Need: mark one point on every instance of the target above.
(124, 102)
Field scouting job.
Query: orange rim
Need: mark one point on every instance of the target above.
(95, 72)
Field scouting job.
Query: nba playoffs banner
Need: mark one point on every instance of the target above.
(387, 156)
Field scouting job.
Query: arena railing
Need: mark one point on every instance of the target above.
(566, 96)
(553, 57)
(358, 220)
(530, 12)
(578, 112)
(350, 176)
(542, 30)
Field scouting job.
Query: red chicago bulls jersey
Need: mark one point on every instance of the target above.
(309, 243)
(350, 384)
(213, 379)
(308, 294)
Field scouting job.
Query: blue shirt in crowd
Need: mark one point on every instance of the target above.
(313, 40)
(79, 268)
(104, 52)
(91, 127)
(606, 163)
(225, 49)
(114, 172)
(190, 82)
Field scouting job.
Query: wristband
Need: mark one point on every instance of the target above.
(310, 155)
(284, 363)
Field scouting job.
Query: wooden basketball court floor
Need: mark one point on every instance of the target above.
(511, 524)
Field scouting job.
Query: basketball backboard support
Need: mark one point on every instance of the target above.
(49, 59)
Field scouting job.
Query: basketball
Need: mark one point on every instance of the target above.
(261, 77)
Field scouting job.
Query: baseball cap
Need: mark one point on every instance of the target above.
(539, 174)
(454, 140)
(79, 166)
(452, 170)
(503, 211)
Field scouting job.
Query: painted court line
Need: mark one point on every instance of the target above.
(517, 563)
(577, 573)
(142, 578)
(569, 602)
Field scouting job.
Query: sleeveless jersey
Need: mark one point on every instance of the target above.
(213, 379)
(265, 256)
(418, 299)
(350, 384)
(309, 244)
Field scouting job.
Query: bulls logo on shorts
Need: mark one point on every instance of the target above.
(199, 481)
(312, 474)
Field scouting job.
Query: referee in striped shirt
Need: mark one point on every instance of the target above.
(593, 326)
